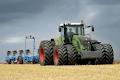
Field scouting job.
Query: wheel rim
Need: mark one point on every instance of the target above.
(56, 56)
(42, 55)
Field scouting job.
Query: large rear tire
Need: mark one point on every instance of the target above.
(72, 55)
(46, 53)
(60, 55)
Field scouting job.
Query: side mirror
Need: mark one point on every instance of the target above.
(93, 29)
(60, 29)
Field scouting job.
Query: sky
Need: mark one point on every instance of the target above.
(41, 18)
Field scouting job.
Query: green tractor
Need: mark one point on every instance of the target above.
(73, 47)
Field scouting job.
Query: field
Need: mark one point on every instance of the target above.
(77, 72)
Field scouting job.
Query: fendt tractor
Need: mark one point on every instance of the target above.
(74, 47)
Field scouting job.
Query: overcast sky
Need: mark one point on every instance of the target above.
(40, 18)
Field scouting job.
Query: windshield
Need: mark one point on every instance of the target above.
(71, 29)
(76, 30)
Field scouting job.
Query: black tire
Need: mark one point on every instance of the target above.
(72, 55)
(106, 54)
(99, 47)
(48, 49)
(62, 56)
(20, 60)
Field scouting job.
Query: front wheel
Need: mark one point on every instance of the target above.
(106, 54)
(46, 53)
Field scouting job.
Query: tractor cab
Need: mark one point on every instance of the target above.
(75, 28)
(70, 29)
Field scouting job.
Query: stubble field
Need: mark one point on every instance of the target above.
(77, 72)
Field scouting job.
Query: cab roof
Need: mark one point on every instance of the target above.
(72, 24)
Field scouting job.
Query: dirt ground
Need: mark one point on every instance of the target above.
(77, 72)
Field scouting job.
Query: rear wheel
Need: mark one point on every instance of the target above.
(60, 55)
(99, 47)
(72, 54)
(46, 53)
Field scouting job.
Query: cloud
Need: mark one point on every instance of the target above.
(14, 40)
(104, 2)
(16, 9)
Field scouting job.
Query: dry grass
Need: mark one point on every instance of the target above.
(77, 72)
